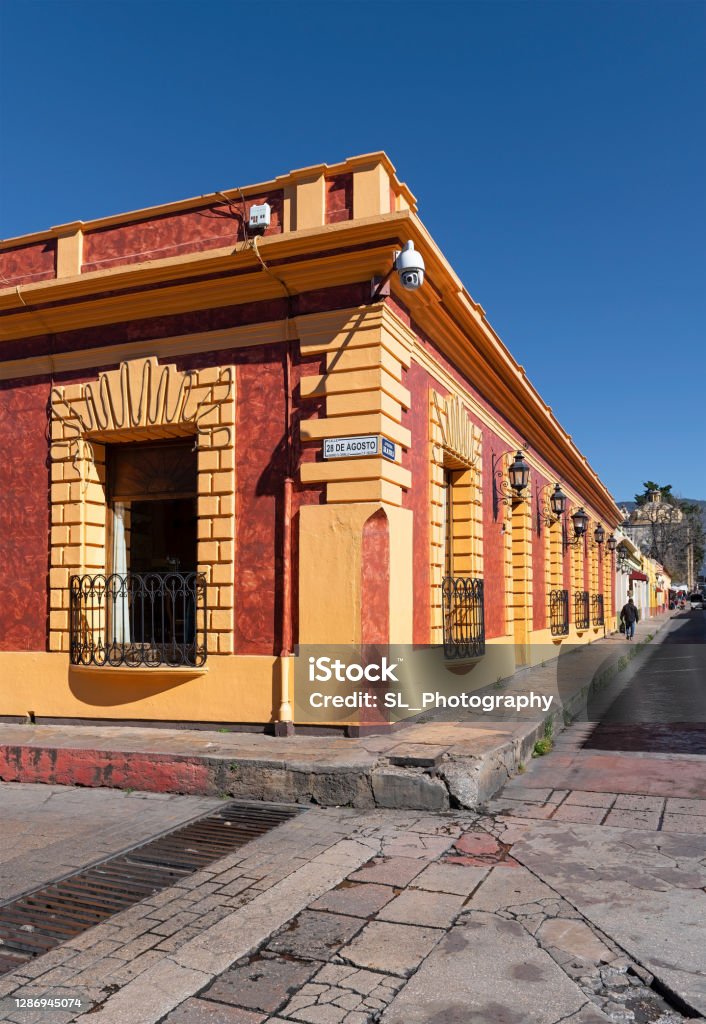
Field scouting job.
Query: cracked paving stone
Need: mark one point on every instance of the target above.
(574, 938)
(486, 971)
(397, 871)
(263, 984)
(416, 846)
(392, 948)
(359, 899)
(478, 844)
(314, 935)
(415, 906)
(509, 887)
(199, 1011)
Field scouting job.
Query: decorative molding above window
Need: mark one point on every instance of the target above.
(459, 436)
(141, 395)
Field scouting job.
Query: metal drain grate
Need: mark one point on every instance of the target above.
(38, 921)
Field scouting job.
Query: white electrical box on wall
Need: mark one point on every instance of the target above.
(260, 216)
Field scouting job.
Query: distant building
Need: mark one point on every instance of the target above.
(642, 524)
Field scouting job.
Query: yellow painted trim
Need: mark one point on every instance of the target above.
(349, 426)
(355, 469)
(355, 380)
(371, 190)
(309, 209)
(270, 332)
(350, 491)
(241, 688)
(69, 252)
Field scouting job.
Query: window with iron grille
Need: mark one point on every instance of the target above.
(463, 617)
(151, 619)
(597, 602)
(581, 609)
(559, 612)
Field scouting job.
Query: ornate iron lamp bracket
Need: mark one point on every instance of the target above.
(508, 488)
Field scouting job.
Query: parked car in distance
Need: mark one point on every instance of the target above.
(696, 601)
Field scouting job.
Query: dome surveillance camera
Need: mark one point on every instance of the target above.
(409, 264)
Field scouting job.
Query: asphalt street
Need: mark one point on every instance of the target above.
(662, 706)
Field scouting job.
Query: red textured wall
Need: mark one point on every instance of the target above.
(261, 462)
(24, 517)
(416, 498)
(539, 584)
(28, 263)
(175, 234)
(339, 198)
(375, 580)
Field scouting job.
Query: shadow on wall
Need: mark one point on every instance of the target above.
(112, 687)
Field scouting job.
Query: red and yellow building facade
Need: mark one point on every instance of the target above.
(165, 355)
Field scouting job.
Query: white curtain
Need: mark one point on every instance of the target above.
(120, 632)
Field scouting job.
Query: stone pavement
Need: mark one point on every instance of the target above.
(347, 917)
(49, 831)
(640, 876)
(441, 761)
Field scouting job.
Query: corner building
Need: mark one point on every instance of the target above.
(170, 529)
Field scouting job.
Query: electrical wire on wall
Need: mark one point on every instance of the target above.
(250, 242)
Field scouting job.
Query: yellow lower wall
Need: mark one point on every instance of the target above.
(330, 559)
(229, 689)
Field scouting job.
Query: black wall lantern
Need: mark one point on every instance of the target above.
(519, 473)
(550, 511)
(599, 535)
(579, 522)
(557, 502)
(505, 491)
(612, 543)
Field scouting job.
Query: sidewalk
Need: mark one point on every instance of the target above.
(430, 765)
(342, 917)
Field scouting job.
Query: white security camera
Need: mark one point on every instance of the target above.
(409, 264)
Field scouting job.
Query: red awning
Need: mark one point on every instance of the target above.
(638, 576)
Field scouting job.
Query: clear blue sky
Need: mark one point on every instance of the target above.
(557, 150)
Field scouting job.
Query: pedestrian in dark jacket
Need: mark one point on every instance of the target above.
(630, 616)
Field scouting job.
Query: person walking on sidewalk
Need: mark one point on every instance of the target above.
(630, 616)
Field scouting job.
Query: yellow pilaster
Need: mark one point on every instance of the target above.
(69, 250)
(520, 596)
(367, 352)
(371, 190)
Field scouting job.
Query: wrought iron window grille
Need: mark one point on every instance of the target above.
(152, 619)
(597, 610)
(581, 609)
(463, 617)
(559, 612)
